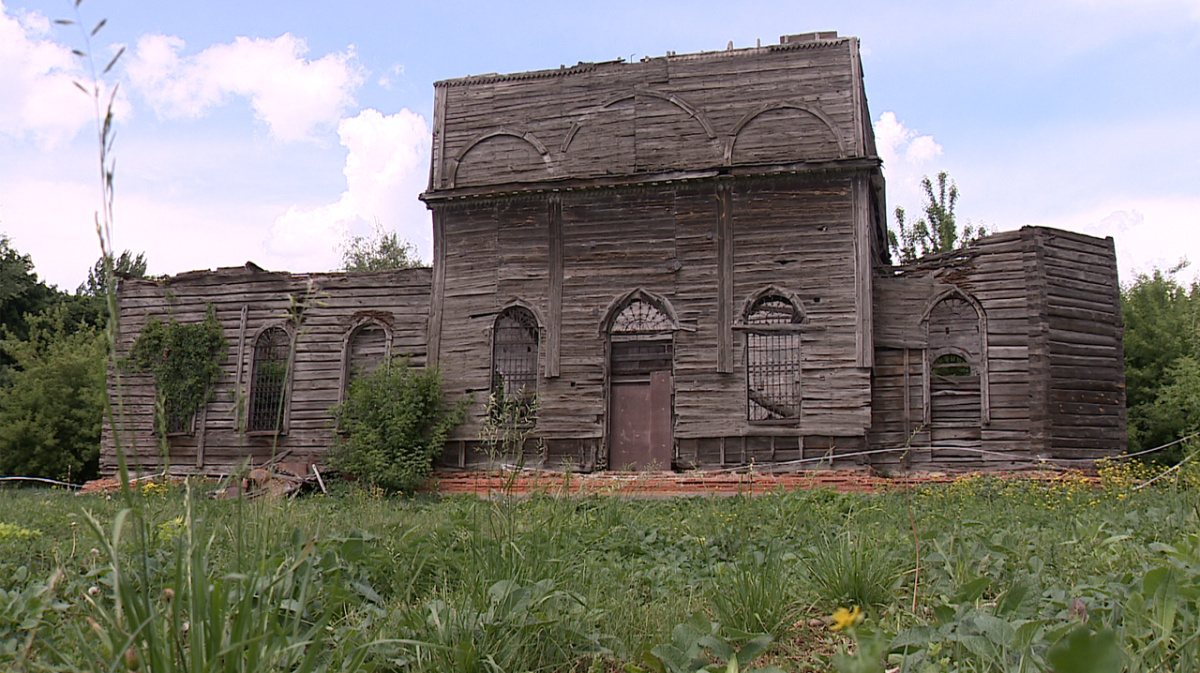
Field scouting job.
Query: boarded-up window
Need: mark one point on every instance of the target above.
(268, 381)
(955, 352)
(515, 355)
(366, 350)
(773, 360)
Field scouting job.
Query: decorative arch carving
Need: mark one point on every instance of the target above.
(528, 137)
(669, 322)
(688, 108)
(770, 107)
(773, 291)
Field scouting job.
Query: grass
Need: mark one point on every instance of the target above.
(551, 584)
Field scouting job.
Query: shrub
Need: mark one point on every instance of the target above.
(185, 361)
(393, 423)
(50, 414)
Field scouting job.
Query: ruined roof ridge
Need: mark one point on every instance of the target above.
(585, 67)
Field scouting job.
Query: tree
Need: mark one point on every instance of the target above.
(937, 231)
(380, 251)
(51, 411)
(123, 266)
(89, 304)
(1162, 347)
(21, 293)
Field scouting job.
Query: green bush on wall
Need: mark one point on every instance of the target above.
(394, 422)
(185, 361)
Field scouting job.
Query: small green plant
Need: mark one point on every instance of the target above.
(185, 361)
(846, 568)
(509, 422)
(750, 598)
(11, 531)
(515, 627)
(694, 645)
(394, 422)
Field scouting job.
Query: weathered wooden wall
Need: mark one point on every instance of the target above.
(1054, 372)
(793, 233)
(246, 301)
(1085, 352)
(779, 104)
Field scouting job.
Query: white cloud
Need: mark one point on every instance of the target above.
(907, 157)
(385, 171)
(1147, 233)
(38, 97)
(291, 94)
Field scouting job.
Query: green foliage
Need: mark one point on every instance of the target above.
(171, 612)
(1162, 347)
(51, 411)
(394, 422)
(850, 569)
(125, 265)
(509, 422)
(380, 251)
(514, 627)
(695, 641)
(185, 361)
(21, 294)
(748, 597)
(937, 231)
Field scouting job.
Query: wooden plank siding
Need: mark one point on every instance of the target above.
(328, 307)
(707, 187)
(1055, 364)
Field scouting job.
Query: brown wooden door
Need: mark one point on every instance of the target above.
(640, 415)
(640, 429)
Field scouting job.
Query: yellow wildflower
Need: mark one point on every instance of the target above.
(844, 619)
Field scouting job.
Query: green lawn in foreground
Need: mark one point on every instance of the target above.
(354, 581)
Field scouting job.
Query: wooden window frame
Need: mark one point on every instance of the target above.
(344, 375)
(285, 388)
(793, 328)
(533, 325)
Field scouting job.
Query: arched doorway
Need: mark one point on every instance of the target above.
(640, 384)
(955, 373)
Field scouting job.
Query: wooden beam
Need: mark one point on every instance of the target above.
(724, 241)
(437, 291)
(554, 317)
(863, 271)
(439, 138)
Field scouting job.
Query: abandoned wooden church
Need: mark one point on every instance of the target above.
(684, 259)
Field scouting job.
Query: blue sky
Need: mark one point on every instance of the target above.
(267, 131)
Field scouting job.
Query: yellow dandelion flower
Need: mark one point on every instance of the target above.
(844, 619)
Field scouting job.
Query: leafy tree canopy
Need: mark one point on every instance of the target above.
(125, 265)
(21, 293)
(380, 251)
(1162, 348)
(51, 409)
(937, 230)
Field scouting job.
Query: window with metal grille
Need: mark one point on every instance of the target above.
(773, 359)
(268, 381)
(515, 354)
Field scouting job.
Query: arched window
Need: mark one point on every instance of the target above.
(268, 381)
(515, 355)
(366, 349)
(955, 388)
(773, 359)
